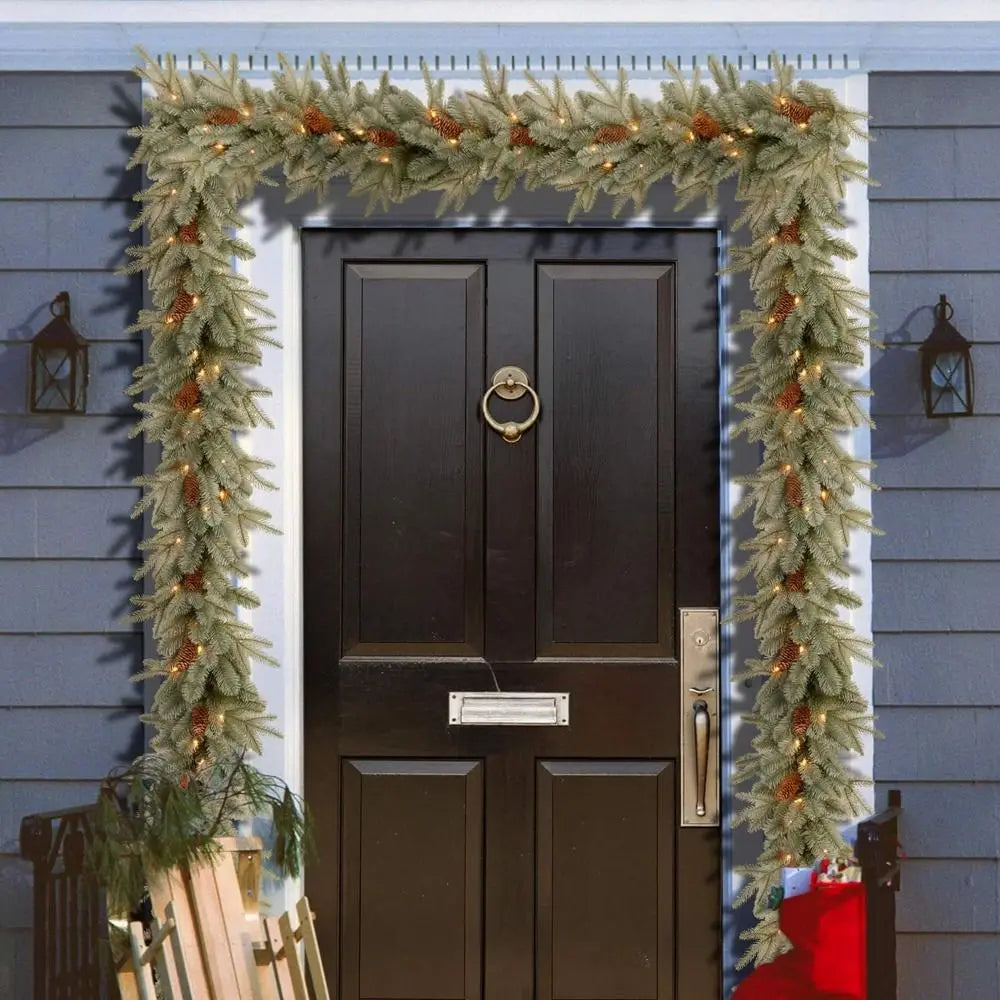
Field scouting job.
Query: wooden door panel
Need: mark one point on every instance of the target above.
(605, 863)
(412, 842)
(605, 460)
(413, 342)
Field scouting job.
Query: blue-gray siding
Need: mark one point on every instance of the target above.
(68, 713)
(934, 224)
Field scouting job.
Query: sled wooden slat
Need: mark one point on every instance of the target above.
(273, 952)
(314, 961)
(168, 893)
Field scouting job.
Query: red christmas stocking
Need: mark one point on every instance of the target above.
(828, 962)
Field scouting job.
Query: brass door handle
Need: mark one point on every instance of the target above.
(701, 724)
(511, 383)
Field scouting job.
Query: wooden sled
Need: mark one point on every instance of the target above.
(210, 943)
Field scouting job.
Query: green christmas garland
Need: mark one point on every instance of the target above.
(212, 138)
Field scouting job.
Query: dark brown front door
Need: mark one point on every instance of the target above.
(507, 862)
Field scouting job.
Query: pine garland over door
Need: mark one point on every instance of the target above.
(212, 138)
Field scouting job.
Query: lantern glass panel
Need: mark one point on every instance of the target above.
(950, 383)
(55, 387)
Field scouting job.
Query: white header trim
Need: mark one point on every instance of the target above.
(480, 12)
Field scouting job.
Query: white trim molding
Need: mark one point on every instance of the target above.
(557, 35)
(486, 11)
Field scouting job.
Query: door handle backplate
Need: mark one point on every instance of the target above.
(699, 721)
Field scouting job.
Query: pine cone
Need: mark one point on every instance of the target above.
(223, 116)
(184, 303)
(788, 655)
(200, 717)
(783, 307)
(705, 126)
(611, 133)
(790, 396)
(794, 110)
(188, 396)
(801, 719)
(192, 490)
(790, 787)
(789, 233)
(384, 138)
(793, 490)
(187, 654)
(188, 233)
(446, 126)
(316, 122)
(796, 582)
(520, 135)
(194, 580)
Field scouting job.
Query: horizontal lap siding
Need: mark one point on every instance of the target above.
(936, 573)
(68, 712)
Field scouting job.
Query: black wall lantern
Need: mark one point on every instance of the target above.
(946, 368)
(59, 366)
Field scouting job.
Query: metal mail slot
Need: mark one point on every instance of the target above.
(508, 708)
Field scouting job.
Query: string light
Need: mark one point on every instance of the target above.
(178, 540)
(170, 239)
(747, 130)
(591, 149)
(786, 468)
(800, 802)
(185, 468)
(201, 649)
(607, 165)
(219, 147)
(824, 494)
(384, 158)
(175, 588)
(822, 718)
(245, 111)
(633, 125)
(221, 717)
(223, 495)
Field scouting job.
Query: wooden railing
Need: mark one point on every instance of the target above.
(877, 849)
(71, 956)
